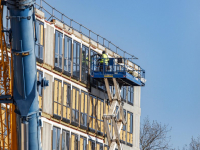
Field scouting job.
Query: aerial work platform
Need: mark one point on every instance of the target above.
(118, 68)
(116, 72)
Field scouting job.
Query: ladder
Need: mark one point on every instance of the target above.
(114, 139)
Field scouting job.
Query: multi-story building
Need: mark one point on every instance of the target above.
(73, 104)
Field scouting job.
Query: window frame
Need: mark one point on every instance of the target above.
(68, 102)
(130, 98)
(101, 145)
(66, 141)
(76, 136)
(101, 115)
(92, 142)
(67, 57)
(39, 47)
(56, 115)
(74, 122)
(85, 139)
(94, 98)
(131, 128)
(124, 93)
(76, 60)
(58, 51)
(56, 136)
(85, 69)
(85, 113)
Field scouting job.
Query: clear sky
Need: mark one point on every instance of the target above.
(165, 36)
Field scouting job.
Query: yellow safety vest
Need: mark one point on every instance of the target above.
(104, 59)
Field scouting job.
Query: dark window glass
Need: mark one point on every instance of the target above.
(85, 62)
(39, 44)
(67, 54)
(65, 140)
(123, 92)
(58, 49)
(130, 95)
(76, 60)
(56, 138)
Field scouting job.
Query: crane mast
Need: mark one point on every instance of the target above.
(22, 19)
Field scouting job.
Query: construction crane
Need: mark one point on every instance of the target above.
(20, 88)
(117, 74)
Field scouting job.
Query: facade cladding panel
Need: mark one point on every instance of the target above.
(69, 102)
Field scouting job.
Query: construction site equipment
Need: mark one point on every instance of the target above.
(25, 83)
(117, 74)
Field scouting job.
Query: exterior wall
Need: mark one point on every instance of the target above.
(48, 96)
(46, 136)
(49, 44)
(50, 120)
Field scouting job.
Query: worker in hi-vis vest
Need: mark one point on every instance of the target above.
(104, 61)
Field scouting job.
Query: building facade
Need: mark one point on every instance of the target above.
(73, 104)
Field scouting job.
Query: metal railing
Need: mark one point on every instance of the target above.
(115, 66)
(53, 13)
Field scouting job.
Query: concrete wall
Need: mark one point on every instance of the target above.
(49, 44)
(46, 136)
(48, 96)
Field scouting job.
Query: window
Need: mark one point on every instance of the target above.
(85, 62)
(39, 88)
(74, 143)
(83, 143)
(75, 109)
(130, 95)
(84, 100)
(93, 62)
(76, 60)
(57, 98)
(56, 138)
(92, 113)
(100, 123)
(65, 140)
(99, 146)
(91, 145)
(106, 147)
(67, 55)
(58, 50)
(124, 93)
(123, 131)
(66, 102)
(39, 44)
(129, 128)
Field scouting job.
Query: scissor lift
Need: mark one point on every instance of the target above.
(116, 74)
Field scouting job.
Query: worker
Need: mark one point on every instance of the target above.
(84, 61)
(104, 62)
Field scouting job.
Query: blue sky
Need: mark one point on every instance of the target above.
(164, 35)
